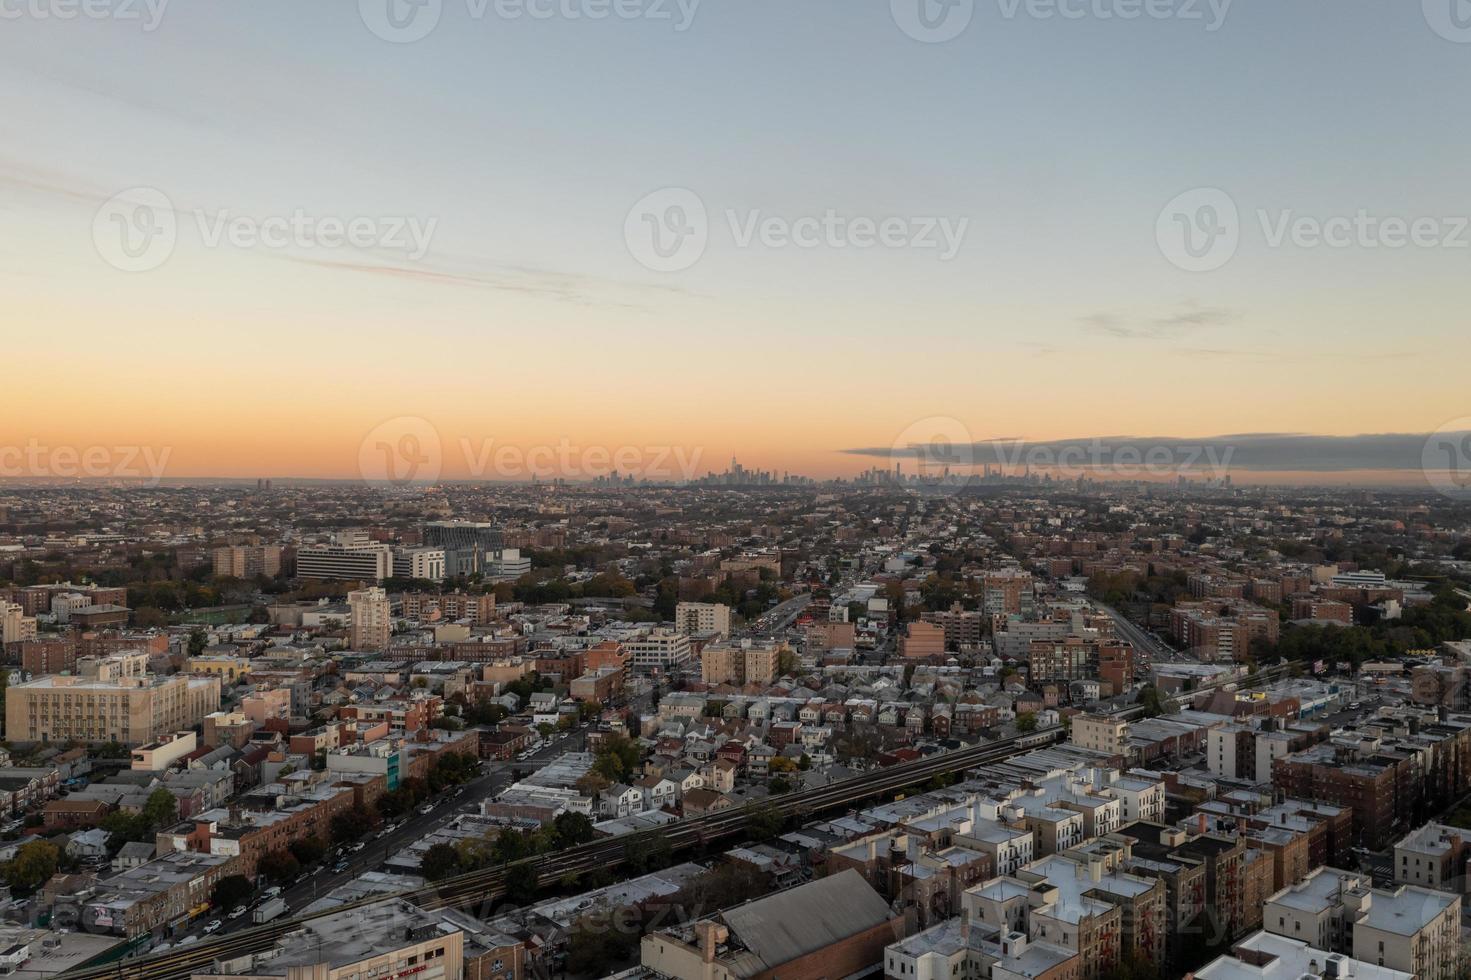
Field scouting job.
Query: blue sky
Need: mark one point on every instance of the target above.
(527, 141)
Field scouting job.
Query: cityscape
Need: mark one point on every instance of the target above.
(735, 490)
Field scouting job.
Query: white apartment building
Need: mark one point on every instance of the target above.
(15, 625)
(1433, 857)
(1266, 956)
(1100, 733)
(1412, 929)
(694, 618)
(658, 651)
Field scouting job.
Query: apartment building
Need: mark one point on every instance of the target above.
(247, 561)
(658, 651)
(1082, 658)
(1434, 856)
(1100, 733)
(1410, 928)
(1266, 956)
(963, 628)
(372, 619)
(702, 618)
(741, 662)
(922, 641)
(1006, 592)
(268, 819)
(451, 606)
(35, 599)
(109, 699)
(958, 947)
(1236, 879)
(15, 625)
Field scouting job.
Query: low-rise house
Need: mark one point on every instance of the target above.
(698, 802)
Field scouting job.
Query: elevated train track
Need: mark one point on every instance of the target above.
(482, 888)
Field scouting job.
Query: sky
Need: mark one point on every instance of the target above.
(400, 237)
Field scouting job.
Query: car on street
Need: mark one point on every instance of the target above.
(214, 926)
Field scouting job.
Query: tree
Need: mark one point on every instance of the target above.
(1026, 722)
(308, 850)
(280, 866)
(597, 942)
(161, 809)
(440, 861)
(351, 824)
(1154, 703)
(509, 846)
(764, 823)
(232, 890)
(573, 828)
(33, 865)
(617, 757)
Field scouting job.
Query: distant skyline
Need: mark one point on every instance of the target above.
(253, 235)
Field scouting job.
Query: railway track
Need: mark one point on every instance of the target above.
(483, 888)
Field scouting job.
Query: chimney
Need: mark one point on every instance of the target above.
(965, 927)
(1200, 822)
(1095, 871)
(709, 934)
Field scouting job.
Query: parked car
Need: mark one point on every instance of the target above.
(238, 911)
(214, 926)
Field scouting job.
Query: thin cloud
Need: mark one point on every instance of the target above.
(1167, 327)
(1254, 452)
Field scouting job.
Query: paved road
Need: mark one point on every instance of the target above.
(1142, 640)
(378, 849)
(779, 617)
